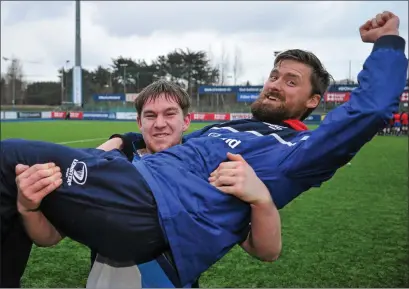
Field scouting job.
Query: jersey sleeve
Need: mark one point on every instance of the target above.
(132, 141)
(346, 129)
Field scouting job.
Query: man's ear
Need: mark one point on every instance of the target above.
(186, 122)
(313, 101)
(138, 120)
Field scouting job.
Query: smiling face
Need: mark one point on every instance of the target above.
(162, 122)
(286, 94)
(293, 89)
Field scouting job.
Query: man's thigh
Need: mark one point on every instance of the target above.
(103, 202)
(15, 251)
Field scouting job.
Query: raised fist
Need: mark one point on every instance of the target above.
(385, 23)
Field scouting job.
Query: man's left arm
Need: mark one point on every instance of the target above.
(237, 178)
(264, 238)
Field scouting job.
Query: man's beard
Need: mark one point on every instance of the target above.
(269, 113)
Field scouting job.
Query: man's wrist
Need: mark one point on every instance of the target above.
(24, 211)
(264, 201)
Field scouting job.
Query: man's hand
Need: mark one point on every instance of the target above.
(385, 23)
(34, 183)
(237, 178)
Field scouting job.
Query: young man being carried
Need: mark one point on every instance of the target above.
(163, 117)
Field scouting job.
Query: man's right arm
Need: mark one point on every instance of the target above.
(346, 129)
(40, 230)
(33, 184)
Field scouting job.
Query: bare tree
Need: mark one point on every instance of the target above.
(237, 65)
(224, 65)
(14, 80)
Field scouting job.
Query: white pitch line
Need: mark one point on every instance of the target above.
(81, 140)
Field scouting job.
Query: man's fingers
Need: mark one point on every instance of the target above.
(227, 172)
(225, 181)
(42, 174)
(36, 168)
(366, 26)
(235, 157)
(379, 19)
(229, 165)
(374, 23)
(49, 189)
(21, 168)
(38, 186)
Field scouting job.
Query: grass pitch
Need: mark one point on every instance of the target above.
(351, 232)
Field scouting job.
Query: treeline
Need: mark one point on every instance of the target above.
(190, 69)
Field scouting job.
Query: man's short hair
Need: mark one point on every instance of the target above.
(171, 91)
(320, 78)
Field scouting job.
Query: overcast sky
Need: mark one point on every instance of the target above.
(44, 32)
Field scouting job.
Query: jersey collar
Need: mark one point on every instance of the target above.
(296, 124)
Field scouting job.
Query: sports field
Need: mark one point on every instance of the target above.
(352, 232)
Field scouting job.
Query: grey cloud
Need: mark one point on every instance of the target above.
(22, 11)
(143, 18)
(305, 19)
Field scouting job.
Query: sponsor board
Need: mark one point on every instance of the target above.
(208, 89)
(204, 116)
(99, 115)
(247, 96)
(10, 115)
(29, 114)
(109, 97)
(336, 96)
(236, 116)
(58, 114)
(46, 114)
(126, 115)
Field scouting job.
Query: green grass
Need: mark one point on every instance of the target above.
(351, 232)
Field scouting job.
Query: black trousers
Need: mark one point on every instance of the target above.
(103, 203)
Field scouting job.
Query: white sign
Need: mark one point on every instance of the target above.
(236, 116)
(46, 114)
(10, 115)
(126, 115)
(130, 97)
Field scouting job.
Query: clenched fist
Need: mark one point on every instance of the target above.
(385, 23)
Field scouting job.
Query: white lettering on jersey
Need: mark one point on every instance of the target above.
(233, 143)
(274, 126)
(77, 172)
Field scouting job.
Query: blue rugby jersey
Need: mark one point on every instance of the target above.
(202, 224)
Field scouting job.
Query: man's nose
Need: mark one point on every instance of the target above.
(160, 122)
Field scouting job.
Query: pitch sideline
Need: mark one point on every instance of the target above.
(81, 140)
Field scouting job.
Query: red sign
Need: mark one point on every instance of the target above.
(404, 97)
(336, 96)
(222, 116)
(58, 114)
(76, 114)
(204, 116)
